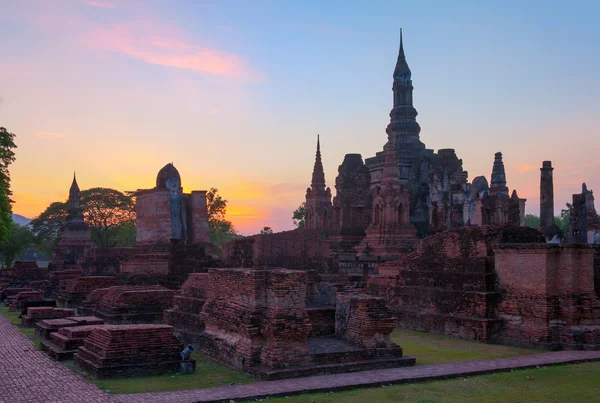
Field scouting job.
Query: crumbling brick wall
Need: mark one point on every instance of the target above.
(449, 285)
(301, 249)
(256, 317)
(548, 297)
(364, 320)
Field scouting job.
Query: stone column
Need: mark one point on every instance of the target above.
(546, 196)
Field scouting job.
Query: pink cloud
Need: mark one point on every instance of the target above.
(47, 135)
(156, 44)
(97, 3)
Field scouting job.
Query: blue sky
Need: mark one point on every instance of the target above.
(234, 93)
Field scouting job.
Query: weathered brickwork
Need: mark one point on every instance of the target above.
(130, 350)
(257, 321)
(548, 297)
(64, 343)
(44, 328)
(37, 314)
(76, 290)
(365, 321)
(16, 304)
(133, 304)
(21, 274)
(185, 314)
(298, 249)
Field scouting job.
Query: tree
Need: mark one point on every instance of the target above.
(109, 213)
(266, 230)
(19, 239)
(221, 229)
(562, 220)
(106, 211)
(532, 220)
(7, 157)
(46, 227)
(298, 216)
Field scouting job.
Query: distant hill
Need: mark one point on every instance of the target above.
(19, 219)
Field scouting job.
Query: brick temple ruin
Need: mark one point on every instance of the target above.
(445, 253)
(406, 241)
(172, 236)
(274, 324)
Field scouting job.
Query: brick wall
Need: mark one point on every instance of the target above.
(364, 320)
(303, 249)
(153, 217)
(548, 297)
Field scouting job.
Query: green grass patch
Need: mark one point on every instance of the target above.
(15, 320)
(208, 374)
(431, 348)
(565, 383)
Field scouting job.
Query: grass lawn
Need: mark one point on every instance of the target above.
(431, 348)
(14, 318)
(565, 383)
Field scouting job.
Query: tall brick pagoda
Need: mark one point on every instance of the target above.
(318, 208)
(75, 235)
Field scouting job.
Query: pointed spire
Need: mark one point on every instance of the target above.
(402, 71)
(74, 185)
(401, 45)
(318, 176)
(498, 182)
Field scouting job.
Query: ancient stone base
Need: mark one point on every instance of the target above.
(16, 303)
(115, 351)
(44, 328)
(34, 315)
(459, 326)
(134, 304)
(64, 343)
(328, 356)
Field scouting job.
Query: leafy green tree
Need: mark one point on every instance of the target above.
(19, 238)
(298, 216)
(109, 213)
(562, 220)
(221, 229)
(7, 157)
(46, 227)
(106, 210)
(532, 220)
(266, 230)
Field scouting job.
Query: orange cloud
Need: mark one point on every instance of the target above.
(527, 167)
(154, 43)
(49, 135)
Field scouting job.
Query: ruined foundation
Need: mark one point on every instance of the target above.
(116, 351)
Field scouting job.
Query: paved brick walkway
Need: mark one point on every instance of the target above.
(28, 375)
(358, 379)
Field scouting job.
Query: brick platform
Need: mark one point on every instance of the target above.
(115, 351)
(185, 315)
(77, 289)
(23, 296)
(36, 314)
(64, 343)
(12, 291)
(134, 304)
(44, 328)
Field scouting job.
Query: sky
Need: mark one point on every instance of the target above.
(234, 93)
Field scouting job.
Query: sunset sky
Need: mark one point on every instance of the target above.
(235, 92)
